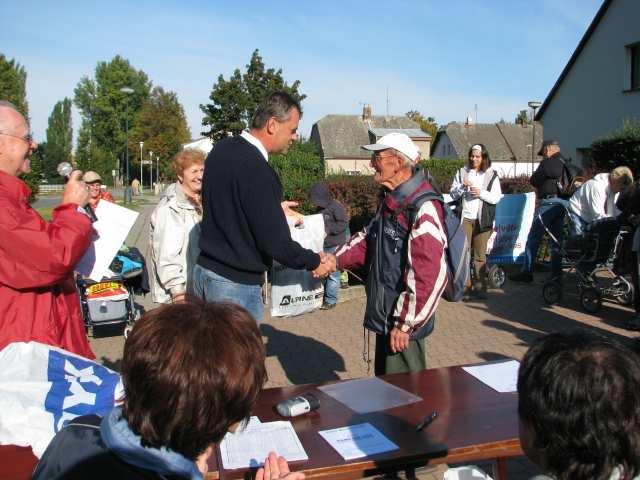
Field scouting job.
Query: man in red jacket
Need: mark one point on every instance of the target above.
(38, 299)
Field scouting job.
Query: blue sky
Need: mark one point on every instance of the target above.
(438, 57)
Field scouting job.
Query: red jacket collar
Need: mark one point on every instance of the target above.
(15, 188)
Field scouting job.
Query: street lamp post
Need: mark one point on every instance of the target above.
(127, 187)
(157, 170)
(534, 104)
(141, 177)
(151, 169)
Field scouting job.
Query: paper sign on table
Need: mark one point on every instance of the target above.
(502, 377)
(249, 447)
(113, 226)
(357, 441)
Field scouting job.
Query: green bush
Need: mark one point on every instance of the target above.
(620, 148)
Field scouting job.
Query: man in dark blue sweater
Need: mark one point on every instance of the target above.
(244, 226)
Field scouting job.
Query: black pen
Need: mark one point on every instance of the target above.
(427, 421)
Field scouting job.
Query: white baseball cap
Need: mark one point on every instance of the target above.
(398, 141)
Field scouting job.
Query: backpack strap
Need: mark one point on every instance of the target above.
(416, 202)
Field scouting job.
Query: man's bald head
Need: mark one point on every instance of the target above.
(16, 143)
(8, 115)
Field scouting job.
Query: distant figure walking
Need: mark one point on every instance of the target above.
(336, 223)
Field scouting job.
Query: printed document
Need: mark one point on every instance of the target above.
(357, 441)
(250, 446)
(113, 226)
(502, 377)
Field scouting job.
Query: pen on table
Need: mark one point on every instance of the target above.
(427, 421)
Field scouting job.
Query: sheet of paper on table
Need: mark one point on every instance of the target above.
(113, 226)
(357, 441)
(249, 447)
(502, 377)
(365, 395)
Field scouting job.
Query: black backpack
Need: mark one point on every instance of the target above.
(565, 182)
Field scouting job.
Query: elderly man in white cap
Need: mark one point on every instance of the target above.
(403, 247)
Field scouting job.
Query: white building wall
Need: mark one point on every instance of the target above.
(591, 101)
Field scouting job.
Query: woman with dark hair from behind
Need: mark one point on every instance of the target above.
(191, 373)
(579, 407)
(478, 187)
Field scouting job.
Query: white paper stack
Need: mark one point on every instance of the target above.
(250, 446)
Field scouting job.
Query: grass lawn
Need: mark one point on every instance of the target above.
(45, 212)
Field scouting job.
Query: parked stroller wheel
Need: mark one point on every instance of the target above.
(590, 299)
(496, 276)
(552, 292)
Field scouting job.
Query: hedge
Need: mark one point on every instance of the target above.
(620, 148)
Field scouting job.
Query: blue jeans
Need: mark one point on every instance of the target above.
(577, 224)
(331, 283)
(211, 287)
(553, 218)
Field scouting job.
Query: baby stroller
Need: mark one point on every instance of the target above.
(593, 252)
(111, 301)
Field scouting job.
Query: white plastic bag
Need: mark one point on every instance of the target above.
(44, 387)
(468, 472)
(294, 292)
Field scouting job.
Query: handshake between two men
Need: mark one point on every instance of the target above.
(328, 265)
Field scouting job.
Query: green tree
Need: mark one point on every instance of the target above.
(427, 125)
(59, 139)
(13, 84)
(300, 168)
(523, 118)
(235, 100)
(162, 125)
(106, 110)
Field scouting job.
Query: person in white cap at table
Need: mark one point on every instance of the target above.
(478, 186)
(405, 258)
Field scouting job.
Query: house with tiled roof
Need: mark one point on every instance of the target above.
(339, 138)
(599, 88)
(508, 144)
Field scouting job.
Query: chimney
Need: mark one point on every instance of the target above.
(366, 113)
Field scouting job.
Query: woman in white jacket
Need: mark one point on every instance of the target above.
(478, 185)
(174, 231)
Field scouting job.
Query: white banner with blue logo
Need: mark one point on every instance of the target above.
(43, 387)
(514, 216)
(294, 292)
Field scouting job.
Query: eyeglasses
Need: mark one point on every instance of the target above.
(377, 157)
(27, 138)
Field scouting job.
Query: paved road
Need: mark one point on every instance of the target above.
(326, 345)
